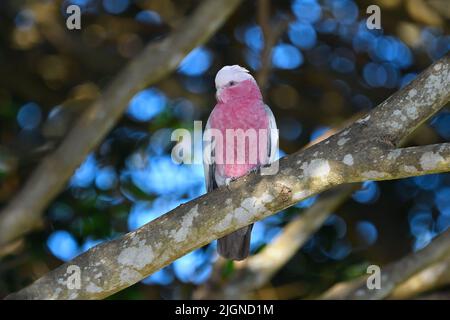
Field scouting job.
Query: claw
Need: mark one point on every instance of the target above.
(228, 181)
(255, 170)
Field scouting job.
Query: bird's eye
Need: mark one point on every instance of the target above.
(231, 83)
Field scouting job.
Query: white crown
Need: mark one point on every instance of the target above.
(231, 73)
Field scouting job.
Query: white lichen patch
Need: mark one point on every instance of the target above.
(129, 276)
(373, 174)
(435, 84)
(362, 120)
(394, 154)
(348, 159)
(342, 141)
(73, 296)
(248, 209)
(137, 257)
(412, 113)
(394, 124)
(224, 223)
(317, 168)
(359, 292)
(300, 195)
(344, 133)
(409, 169)
(412, 93)
(400, 115)
(437, 67)
(93, 288)
(55, 294)
(242, 215)
(185, 225)
(430, 160)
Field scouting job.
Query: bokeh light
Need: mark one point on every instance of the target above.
(254, 38)
(115, 6)
(196, 62)
(149, 17)
(303, 35)
(29, 116)
(63, 245)
(85, 174)
(146, 104)
(285, 56)
(307, 10)
(368, 193)
(367, 232)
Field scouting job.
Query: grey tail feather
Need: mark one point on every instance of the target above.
(236, 245)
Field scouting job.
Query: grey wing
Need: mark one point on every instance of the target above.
(209, 167)
(272, 139)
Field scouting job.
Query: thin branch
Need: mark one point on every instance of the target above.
(156, 61)
(271, 32)
(302, 227)
(257, 270)
(394, 274)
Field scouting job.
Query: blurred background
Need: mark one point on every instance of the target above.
(324, 68)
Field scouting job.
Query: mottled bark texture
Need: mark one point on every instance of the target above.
(157, 60)
(364, 150)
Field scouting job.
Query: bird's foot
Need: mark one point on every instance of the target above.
(228, 181)
(255, 170)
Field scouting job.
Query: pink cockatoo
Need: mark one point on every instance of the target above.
(239, 106)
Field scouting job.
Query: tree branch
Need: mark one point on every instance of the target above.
(156, 61)
(271, 33)
(433, 277)
(257, 270)
(356, 154)
(406, 110)
(394, 274)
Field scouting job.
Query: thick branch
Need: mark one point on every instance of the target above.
(271, 33)
(354, 155)
(155, 62)
(406, 110)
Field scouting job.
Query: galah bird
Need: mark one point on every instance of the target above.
(239, 106)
